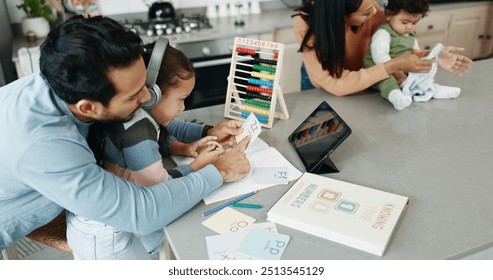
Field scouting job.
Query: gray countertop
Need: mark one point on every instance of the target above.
(437, 153)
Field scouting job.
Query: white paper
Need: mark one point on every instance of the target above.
(228, 220)
(251, 127)
(262, 158)
(259, 154)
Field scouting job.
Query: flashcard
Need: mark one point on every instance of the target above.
(218, 245)
(270, 175)
(251, 127)
(228, 220)
(268, 226)
(263, 244)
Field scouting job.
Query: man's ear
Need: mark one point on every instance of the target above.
(89, 109)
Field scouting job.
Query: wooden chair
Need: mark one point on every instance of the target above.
(53, 234)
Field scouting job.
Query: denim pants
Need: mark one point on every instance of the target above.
(305, 81)
(91, 240)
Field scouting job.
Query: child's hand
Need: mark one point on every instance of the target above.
(400, 77)
(193, 149)
(208, 155)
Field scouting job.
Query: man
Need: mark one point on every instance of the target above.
(91, 69)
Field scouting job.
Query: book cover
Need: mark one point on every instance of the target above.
(346, 213)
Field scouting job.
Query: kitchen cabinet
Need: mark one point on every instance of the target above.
(291, 64)
(432, 30)
(464, 25)
(468, 29)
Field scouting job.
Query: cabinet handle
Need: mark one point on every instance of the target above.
(481, 37)
(430, 27)
(488, 37)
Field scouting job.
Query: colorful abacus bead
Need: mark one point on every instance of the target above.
(264, 61)
(259, 89)
(259, 118)
(258, 67)
(252, 95)
(263, 76)
(257, 103)
(256, 110)
(258, 82)
(246, 51)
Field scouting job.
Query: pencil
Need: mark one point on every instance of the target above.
(215, 209)
(245, 205)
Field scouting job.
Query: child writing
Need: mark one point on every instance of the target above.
(134, 149)
(398, 37)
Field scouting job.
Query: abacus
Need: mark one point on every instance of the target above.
(253, 82)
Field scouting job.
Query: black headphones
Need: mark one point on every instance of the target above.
(153, 71)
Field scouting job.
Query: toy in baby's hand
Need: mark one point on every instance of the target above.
(421, 87)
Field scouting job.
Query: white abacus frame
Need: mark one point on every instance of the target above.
(233, 109)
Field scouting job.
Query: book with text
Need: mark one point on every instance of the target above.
(346, 213)
(260, 156)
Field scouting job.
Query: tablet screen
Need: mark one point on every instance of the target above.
(319, 135)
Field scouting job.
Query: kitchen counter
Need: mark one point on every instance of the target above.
(437, 153)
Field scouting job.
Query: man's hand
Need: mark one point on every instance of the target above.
(234, 165)
(226, 132)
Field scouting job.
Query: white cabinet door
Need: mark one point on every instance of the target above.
(467, 29)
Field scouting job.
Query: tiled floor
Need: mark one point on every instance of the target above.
(28, 249)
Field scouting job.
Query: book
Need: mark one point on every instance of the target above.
(260, 156)
(350, 214)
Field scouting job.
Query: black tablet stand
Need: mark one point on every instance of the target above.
(325, 166)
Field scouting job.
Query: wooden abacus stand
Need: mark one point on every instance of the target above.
(253, 82)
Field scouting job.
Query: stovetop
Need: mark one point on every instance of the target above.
(168, 26)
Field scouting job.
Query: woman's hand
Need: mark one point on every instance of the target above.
(408, 63)
(456, 64)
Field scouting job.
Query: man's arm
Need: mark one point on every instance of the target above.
(65, 172)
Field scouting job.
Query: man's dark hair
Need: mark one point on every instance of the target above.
(77, 55)
(393, 7)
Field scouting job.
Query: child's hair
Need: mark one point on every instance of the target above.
(393, 7)
(175, 67)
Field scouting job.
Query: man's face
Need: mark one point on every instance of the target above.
(131, 92)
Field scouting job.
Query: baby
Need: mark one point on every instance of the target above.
(397, 37)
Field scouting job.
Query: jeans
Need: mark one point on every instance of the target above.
(91, 240)
(305, 81)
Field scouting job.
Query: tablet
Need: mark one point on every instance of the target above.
(317, 137)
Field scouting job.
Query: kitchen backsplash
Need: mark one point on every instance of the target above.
(112, 7)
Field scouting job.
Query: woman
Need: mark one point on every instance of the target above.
(334, 36)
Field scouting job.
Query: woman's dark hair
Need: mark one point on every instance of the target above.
(76, 56)
(326, 23)
(393, 7)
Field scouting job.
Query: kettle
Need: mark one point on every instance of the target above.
(161, 10)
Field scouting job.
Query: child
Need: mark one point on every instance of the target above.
(397, 37)
(134, 150)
